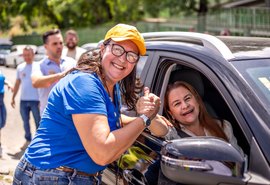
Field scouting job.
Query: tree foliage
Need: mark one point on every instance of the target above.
(83, 13)
(71, 13)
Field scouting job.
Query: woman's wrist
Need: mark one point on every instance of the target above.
(146, 120)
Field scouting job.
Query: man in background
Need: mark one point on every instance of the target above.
(51, 69)
(72, 49)
(29, 100)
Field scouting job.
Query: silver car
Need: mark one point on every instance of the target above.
(14, 58)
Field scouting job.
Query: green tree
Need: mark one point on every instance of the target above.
(125, 11)
(183, 7)
(71, 13)
(187, 7)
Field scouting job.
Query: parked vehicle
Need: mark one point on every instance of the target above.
(89, 46)
(5, 47)
(3, 54)
(15, 58)
(40, 53)
(232, 74)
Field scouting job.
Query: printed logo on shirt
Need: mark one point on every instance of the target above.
(51, 72)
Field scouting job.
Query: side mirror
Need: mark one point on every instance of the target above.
(208, 158)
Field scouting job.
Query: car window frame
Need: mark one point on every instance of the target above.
(188, 61)
(198, 65)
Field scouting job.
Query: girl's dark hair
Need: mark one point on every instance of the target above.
(204, 118)
(90, 62)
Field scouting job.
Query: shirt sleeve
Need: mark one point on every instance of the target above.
(172, 134)
(18, 73)
(84, 94)
(36, 70)
(227, 128)
(68, 64)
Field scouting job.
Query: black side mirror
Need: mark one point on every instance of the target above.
(210, 159)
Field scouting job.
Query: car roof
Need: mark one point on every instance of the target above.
(89, 45)
(23, 45)
(229, 48)
(20, 47)
(4, 41)
(247, 46)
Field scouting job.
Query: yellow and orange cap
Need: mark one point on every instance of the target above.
(122, 32)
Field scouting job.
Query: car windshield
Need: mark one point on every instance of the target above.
(257, 75)
(5, 47)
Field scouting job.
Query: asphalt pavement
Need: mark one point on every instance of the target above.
(12, 135)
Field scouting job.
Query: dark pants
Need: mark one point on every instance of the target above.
(25, 108)
(3, 111)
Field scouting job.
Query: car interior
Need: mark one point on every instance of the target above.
(213, 100)
(169, 72)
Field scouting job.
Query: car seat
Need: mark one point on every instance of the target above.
(194, 78)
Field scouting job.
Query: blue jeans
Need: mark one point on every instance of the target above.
(25, 108)
(27, 174)
(3, 111)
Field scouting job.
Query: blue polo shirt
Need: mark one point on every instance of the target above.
(3, 112)
(57, 142)
(2, 83)
(48, 67)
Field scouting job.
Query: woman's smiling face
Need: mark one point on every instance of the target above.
(183, 106)
(116, 68)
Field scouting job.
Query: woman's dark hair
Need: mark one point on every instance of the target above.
(90, 62)
(204, 118)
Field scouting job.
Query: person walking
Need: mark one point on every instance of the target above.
(82, 129)
(47, 72)
(71, 48)
(3, 111)
(29, 101)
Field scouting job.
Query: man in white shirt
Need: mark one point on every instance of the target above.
(72, 49)
(29, 100)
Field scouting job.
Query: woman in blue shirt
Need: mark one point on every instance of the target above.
(82, 130)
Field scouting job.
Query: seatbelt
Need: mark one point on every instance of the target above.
(182, 134)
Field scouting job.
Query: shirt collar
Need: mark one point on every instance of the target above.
(184, 129)
(48, 61)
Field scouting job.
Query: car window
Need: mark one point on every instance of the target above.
(141, 64)
(13, 49)
(5, 47)
(261, 77)
(257, 75)
(215, 97)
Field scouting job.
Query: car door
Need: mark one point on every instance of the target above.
(156, 75)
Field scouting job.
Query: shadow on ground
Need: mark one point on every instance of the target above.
(16, 155)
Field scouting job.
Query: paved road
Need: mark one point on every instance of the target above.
(12, 135)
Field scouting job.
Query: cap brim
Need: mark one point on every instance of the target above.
(138, 43)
